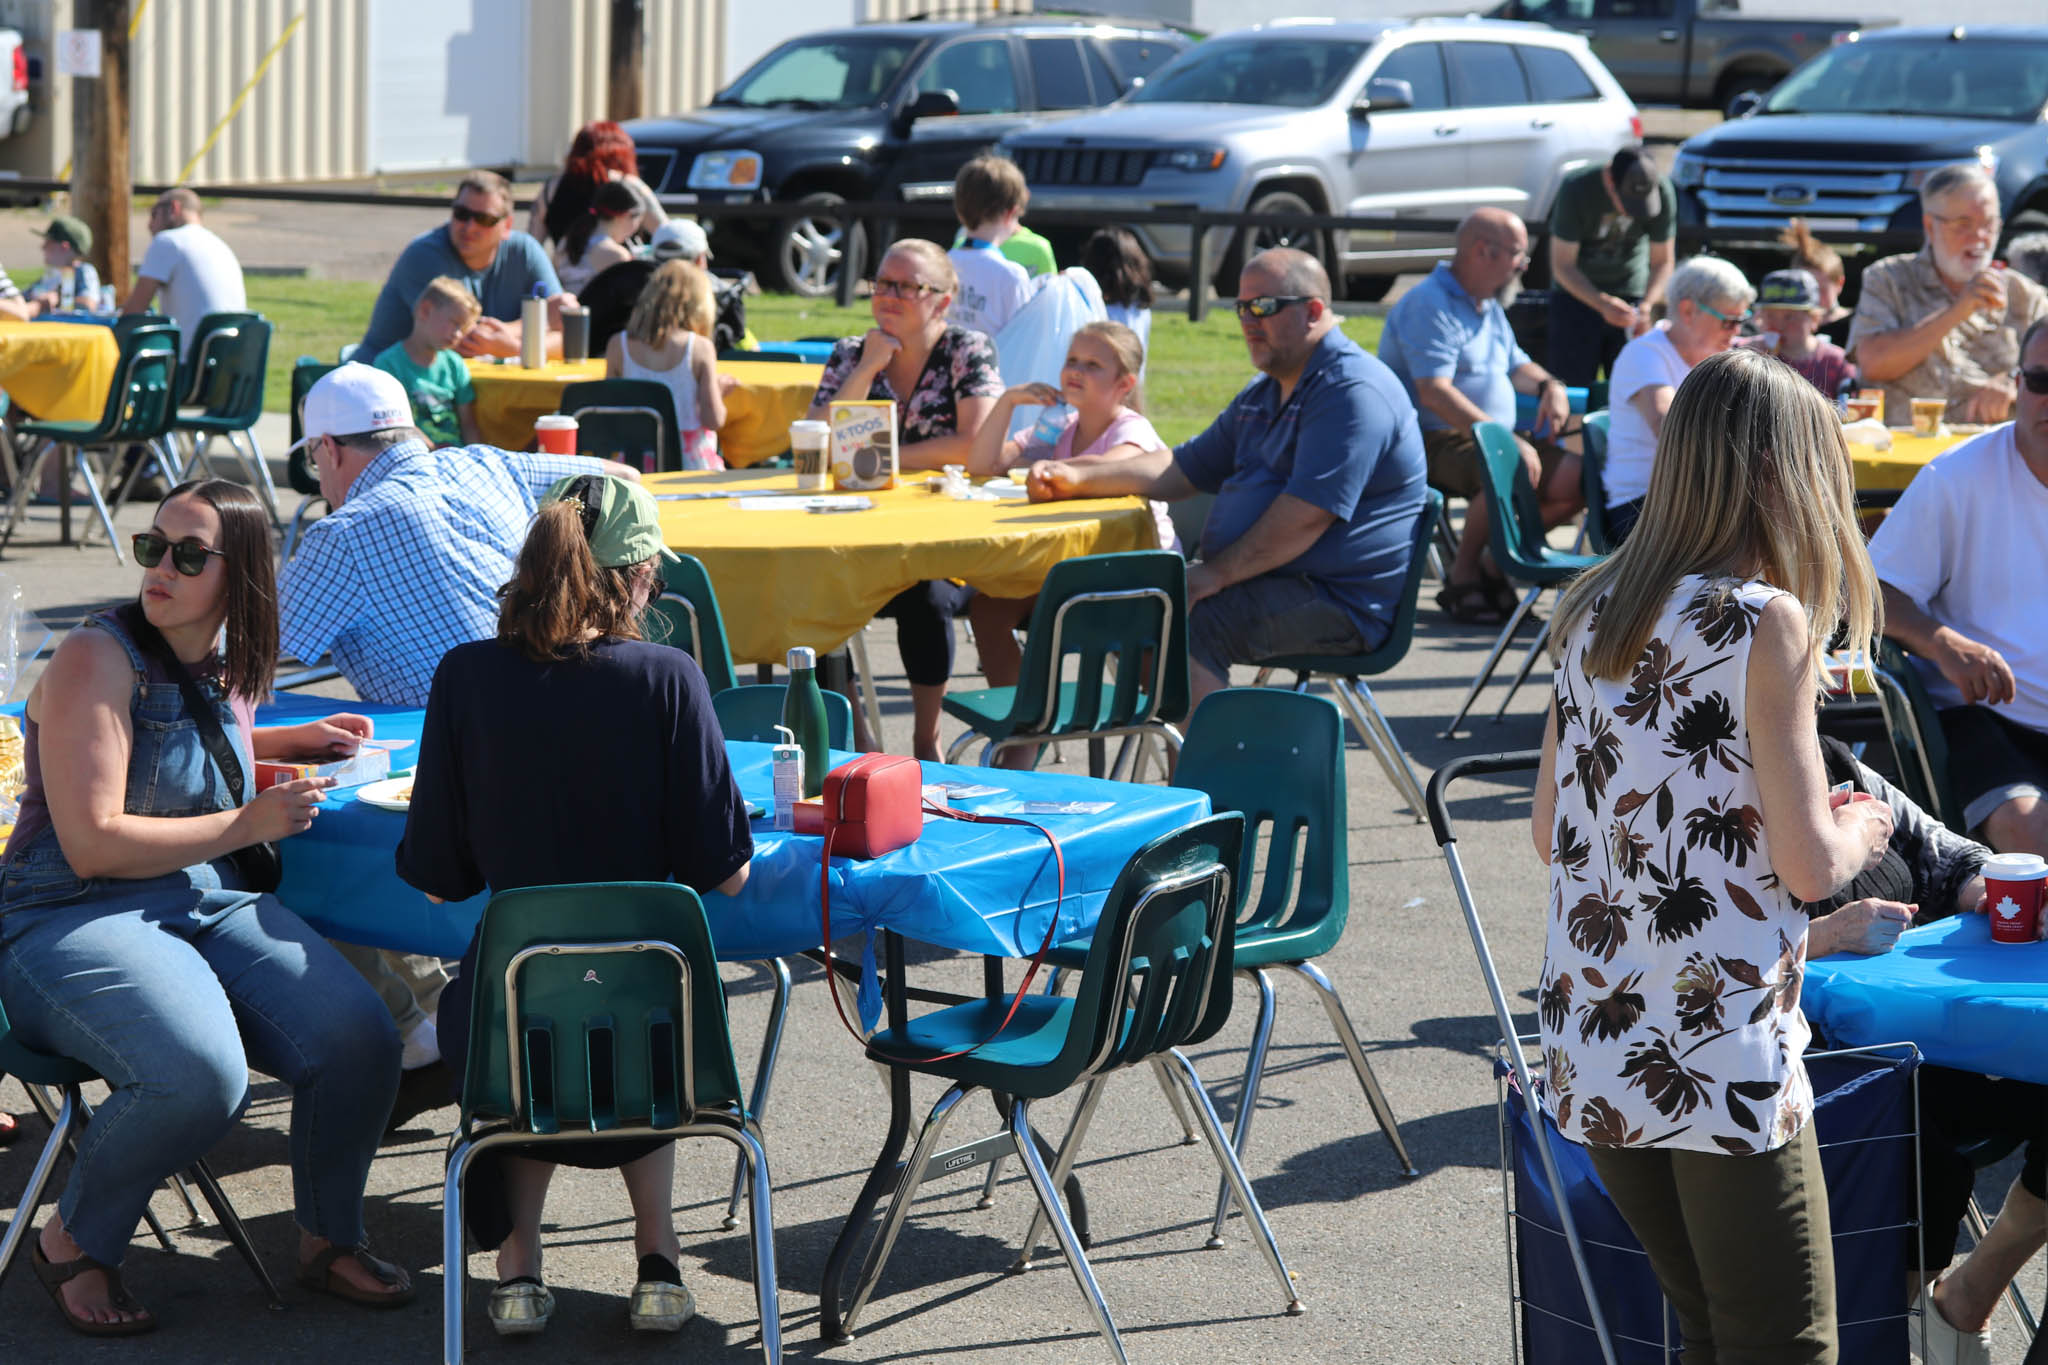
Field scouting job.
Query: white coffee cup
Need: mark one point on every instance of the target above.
(808, 445)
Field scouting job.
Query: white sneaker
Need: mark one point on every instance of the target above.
(422, 1047)
(1945, 1343)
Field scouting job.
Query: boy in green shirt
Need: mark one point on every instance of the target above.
(434, 376)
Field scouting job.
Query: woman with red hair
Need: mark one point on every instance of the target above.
(602, 152)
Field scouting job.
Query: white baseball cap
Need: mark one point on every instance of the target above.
(682, 237)
(351, 399)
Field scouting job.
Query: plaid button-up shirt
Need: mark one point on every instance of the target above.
(410, 565)
(1984, 348)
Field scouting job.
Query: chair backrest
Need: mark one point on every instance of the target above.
(224, 374)
(1514, 523)
(597, 1007)
(1159, 964)
(197, 345)
(1593, 483)
(1127, 608)
(1919, 749)
(752, 713)
(632, 421)
(1277, 759)
(143, 399)
(298, 466)
(1402, 632)
(686, 615)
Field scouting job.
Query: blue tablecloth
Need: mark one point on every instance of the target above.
(810, 352)
(1967, 1002)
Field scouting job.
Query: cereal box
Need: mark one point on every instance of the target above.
(863, 445)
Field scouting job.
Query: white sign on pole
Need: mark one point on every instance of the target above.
(78, 52)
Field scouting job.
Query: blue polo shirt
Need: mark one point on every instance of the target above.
(1438, 331)
(1345, 441)
(500, 287)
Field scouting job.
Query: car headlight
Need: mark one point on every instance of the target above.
(1193, 158)
(734, 170)
(1688, 171)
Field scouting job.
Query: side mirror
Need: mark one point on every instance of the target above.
(929, 104)
(1746, 103)
(1383, 95)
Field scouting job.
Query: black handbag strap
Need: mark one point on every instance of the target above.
(151, 641)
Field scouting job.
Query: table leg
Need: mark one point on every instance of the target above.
(63, 501)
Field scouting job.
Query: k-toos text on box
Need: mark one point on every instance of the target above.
(368, 765)
(863, 445)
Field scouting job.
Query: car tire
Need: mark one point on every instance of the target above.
(811, 246)
(1317, 244)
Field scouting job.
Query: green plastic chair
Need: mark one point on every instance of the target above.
(598, 1014)
(1919, 748)
(632, 421)
(1515, 535)
(752, 712)
(141, 403)
(1163, 945)
(1120, 610)
(39, 1073)
(223, 376)
(1346, 674)
(298, 465)
(686, 615)
(1593, 484)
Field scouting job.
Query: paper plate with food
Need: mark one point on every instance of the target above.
(393, 793)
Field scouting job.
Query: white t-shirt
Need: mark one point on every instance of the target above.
(196, 274)
(1959, 545)
(992, 287)
(1647, 362)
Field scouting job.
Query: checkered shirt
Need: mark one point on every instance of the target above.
(410, 565)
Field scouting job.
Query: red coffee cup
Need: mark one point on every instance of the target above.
(2012, 896)
(557, 433)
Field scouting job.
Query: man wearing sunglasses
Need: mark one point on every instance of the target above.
(477, 246)
(1962, 594)
(1318, 475)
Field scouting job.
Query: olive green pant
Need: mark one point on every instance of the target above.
(1739, 1243)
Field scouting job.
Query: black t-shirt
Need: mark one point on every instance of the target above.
(605, 768)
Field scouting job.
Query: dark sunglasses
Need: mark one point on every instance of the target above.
(187, 557)
(904, 289)
(462, 213)
(2035, 380)
(1268, 304)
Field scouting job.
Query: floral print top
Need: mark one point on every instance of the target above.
(961, 365)
(1670, 996)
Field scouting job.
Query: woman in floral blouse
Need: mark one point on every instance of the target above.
(1685, 814)
(944, 382)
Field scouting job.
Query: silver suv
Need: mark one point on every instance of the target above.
(1427, 119)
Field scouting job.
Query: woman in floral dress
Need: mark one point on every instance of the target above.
(1685, 815)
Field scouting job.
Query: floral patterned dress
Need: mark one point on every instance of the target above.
(1670, 995)
(961, 365)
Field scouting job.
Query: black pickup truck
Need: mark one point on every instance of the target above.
(1698, 53)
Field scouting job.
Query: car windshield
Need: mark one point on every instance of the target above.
(1297, 72)
(830, 71)
(1940, 77)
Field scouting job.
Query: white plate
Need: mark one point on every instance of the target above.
(393, 793)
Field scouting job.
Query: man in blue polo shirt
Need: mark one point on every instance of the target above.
(1318, 474)
(478, 247)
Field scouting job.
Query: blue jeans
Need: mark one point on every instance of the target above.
(172, 998)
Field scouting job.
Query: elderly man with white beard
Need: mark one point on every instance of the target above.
(1946, 323)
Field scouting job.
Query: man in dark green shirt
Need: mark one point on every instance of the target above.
(1612, 239)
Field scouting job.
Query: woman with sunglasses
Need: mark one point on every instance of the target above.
(1710, 299)
(944, 382)
(129, 941)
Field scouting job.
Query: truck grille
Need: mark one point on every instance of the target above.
(655, 165)
(1858, 196)
(1083, 165)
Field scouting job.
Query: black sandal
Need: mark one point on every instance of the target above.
(1470, 604)
(318, 1275)
(55, 1275)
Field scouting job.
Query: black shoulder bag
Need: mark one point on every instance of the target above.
(259, 867)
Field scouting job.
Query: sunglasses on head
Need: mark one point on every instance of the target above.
(2036, 381)
(187, 557)
(1268, 304)
(462, 213)
(904, 289)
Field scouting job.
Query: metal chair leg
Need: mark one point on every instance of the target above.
(177, 1184)
(1356, 699)
(1522, 673)
(99, 506)
(1047, 1190)
(231, 1223)
(1340, 1019)
(259, 472)
(907, 1183)
(1063, 1164)
(24, 484)
(23, 1224)
(454, 1251)
(1171, 1090)
(761, 1235)
(1233, 1172)
(764, 1075)
(1247, 1097)
(1500, 645)
(82, 1112)
(961, 745)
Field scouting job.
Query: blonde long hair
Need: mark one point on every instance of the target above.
(676, 298)
(1751, 478)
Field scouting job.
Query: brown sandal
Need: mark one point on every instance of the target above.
(55, 1275)
(318, 1275)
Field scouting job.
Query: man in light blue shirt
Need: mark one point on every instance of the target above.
(478, 247)
(1449, 343)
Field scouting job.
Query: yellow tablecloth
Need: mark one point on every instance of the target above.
(1891, 470)
(770, 396)
(802, 578)
(59, 371)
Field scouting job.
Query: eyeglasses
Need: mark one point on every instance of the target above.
(1744, 316)
(1967, 222)
(904, 289)
(1268, 304)
(2035, 380)
(463, 213)
(188, 557)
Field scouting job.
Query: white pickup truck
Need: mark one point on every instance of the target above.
(14, 109)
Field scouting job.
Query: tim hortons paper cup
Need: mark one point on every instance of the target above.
(2012, 896)
(557, 432)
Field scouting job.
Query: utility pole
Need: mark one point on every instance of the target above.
(100, 181)
(625, 95)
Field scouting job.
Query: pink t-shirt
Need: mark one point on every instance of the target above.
(1127, 428)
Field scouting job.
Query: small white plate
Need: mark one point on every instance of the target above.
(393, 793)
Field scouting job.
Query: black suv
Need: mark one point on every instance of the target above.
(882, 111)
